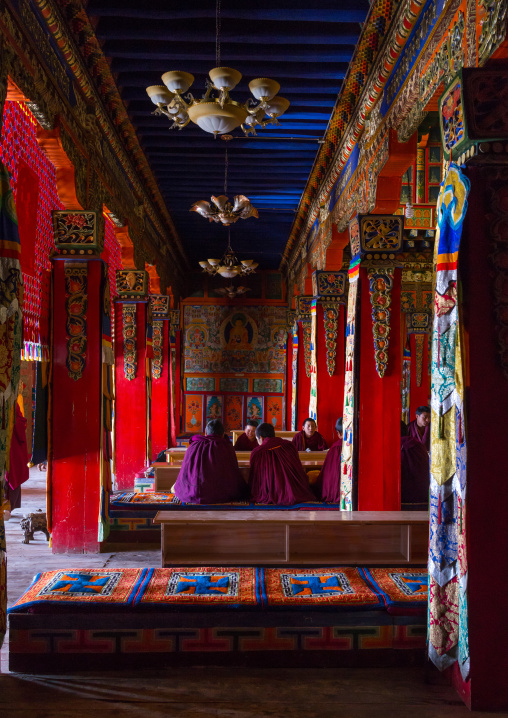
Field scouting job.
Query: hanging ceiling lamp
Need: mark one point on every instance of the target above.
(231, 292)
(229, 266)
(221, 209)
(216, 112)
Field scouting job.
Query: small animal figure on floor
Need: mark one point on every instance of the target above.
(32, 523)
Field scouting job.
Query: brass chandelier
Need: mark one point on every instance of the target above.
(221, 209)
(229, 266)
(216, 112)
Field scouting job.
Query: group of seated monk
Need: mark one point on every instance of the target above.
(210, 473)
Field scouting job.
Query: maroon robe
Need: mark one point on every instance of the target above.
(412, 431)
(315, 443)
(18, 461)
(243, 443)
(414, 474)
(328, 482)
(210, 473)
(277, 475)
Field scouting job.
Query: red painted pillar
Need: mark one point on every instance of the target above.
(483, 270)
(131, 405)
(330, 388)
(289, 378)
(303, 386)
(76, 430)
(161, 387)
(379, 407)
(178, 382)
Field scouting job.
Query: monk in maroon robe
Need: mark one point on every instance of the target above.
(327, 484)
(247, 440)
(276, 473)
(414, 473)
(309, 439)
(210, 473)
(419, 429)
(18, 460)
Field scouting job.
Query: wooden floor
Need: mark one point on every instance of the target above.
(200, 692)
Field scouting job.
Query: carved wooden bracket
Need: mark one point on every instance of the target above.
(51, 144)
(154, 282)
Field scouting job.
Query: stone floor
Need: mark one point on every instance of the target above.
(200, 692)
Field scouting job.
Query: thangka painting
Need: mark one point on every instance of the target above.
(200, 383)
(233, 413)
(275, 411)
(255, 408)
(219, 339)
(193, 413)
(233, 383)
(213, 407)
(263, 386)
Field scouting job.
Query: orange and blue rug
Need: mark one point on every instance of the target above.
(244, 587)
(162, 501)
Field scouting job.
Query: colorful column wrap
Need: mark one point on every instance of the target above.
(11, 331)
(447, 629)
(313, 361)
(348, 412)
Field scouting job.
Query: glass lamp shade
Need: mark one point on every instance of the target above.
(263, 88)
(213, 262)
(217, 120)
(220, 201)
(247, 262)
(229, 272)
(204, 208)
(159, 94)
(204, 265)
(177, 81)
(225, 78)
(277, 106)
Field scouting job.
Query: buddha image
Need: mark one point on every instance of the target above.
(238, 333)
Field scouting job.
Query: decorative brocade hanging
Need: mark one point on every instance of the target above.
(447, 616)
(129, 331)
(307, 340)
(406, 382)
(313, 361)
(158, 335)
(331, 312)
(420, 340)
(380, 287)
(76, 304)
(294, 381)
(348, 412)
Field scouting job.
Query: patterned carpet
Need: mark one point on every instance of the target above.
(158, 501)
(228, 587)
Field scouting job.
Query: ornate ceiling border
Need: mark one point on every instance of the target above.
(384, 35)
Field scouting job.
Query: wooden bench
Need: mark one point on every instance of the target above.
(303, 538)
(166, 474)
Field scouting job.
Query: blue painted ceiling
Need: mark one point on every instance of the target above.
(306, 46)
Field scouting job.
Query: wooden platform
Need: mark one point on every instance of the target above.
(303, 538)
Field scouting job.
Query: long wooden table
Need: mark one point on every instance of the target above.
(166, 474)
(173, 456)
(303, 538)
